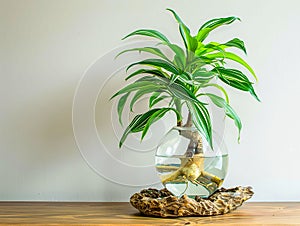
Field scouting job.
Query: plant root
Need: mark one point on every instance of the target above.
(190, 170)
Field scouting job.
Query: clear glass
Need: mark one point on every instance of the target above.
(184, 169)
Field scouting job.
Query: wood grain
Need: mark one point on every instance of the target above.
(162, 203)
(63, 213)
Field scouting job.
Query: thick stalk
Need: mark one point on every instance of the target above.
(178, 106)
(192, 164)
(196, 144)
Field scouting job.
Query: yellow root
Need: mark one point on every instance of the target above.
(191, 169)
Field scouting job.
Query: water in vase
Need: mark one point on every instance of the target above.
(200, 179)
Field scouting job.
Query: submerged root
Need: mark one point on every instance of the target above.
(190, 170)
(192, 166)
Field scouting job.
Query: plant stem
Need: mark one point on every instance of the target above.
(178, 106)
(192, 165)
(196, 144)
(189, 121)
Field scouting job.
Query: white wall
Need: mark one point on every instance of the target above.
(45, 46)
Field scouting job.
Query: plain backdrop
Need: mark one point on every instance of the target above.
(46, 45)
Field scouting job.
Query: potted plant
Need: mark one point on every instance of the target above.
(181, 81)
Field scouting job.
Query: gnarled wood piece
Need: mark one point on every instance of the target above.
(162, 203)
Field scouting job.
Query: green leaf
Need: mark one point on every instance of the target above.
(137, 125)
(179, 58)
(210, 25)
(219, 88)
(221, 103)
(234, 57)
(147, 71)
(252, 92)
(214, 46)
(121, 105)
(211, 47)
(236, 43)
(201, 120)
(140, 93)
(157, 63)
(154, 80)
(155, 98)
(214, 23)
(203, 76)
(136, 86)
(149, 33)
(189, 41)
(236, 79)
(181, 92)
(197, 62)
(175, 89)
(140, 121)
(156, 116)
(151, 50)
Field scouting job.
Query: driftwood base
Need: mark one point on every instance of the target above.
(162, 203)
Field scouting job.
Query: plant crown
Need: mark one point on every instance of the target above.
(182, 79)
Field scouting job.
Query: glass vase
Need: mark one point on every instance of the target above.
(186, 163)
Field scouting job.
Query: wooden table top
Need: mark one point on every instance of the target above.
(83, 213)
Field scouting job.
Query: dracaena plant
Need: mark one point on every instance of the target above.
(182, 78)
